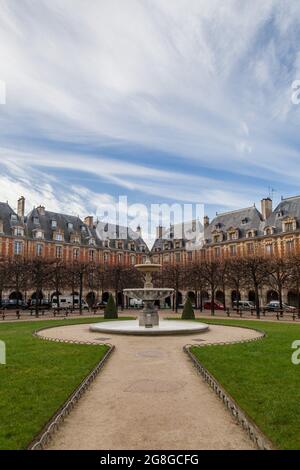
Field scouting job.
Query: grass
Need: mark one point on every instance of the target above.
(261, 378)
(38, 377)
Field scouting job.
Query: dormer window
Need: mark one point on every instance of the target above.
(218, 226)
(106, 243)
(70, 226)
(53, 224)
(166, 246)
(92, 241)
(245, 221)
(279, 214)
(19, 232)
(142, 248)
(233, 234)
(39, 234)
(120, 245)
(36, 220)
(289, 224)
(1, 226)
(14, 217)
(58, 237)
(75, 238)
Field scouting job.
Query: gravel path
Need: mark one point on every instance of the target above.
(149, 396)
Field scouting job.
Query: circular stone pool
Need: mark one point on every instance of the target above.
(165, 327)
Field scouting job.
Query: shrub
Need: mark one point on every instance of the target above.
(188, 312)
(111, 309)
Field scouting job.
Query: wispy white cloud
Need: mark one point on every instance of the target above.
(205, 81)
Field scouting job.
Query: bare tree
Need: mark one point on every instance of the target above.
(58, 277)
(39, 271)
(278, 270)
(236, 270)
(173, 276)
(193, 277)
(256, 274)
(211, 273)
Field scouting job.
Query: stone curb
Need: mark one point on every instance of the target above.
(255, 434)
(40, 441)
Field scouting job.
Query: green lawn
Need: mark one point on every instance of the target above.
(261, 378)
(38, 377)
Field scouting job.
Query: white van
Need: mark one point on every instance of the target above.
(66, 301)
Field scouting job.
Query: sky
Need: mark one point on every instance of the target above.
(156, 100)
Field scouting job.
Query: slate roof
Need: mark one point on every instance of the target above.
(5, 216)
(287, 207)
(243, 220)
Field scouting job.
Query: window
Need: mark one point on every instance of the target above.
(217, 251)
(92, 241)
(250, 248)
(53, 224)
(36, 220)
(177, 257)
(18, 231)
(289, 226)
(120, 245)
(58, 251)
(245, 221)
(166, 258)
(70, 226)
(39, 234)
(59, 237)
(39, 249)
(106, 243)
(142, 248)
(269, 249)
(166, 246)
(177, 244)
(120, 257)
(289, 246)
(18, 247)
(91, 255)
(216, 238)
(132, 259)
(106, 257)
(232, 250)
(13, 217)
(76, 253)
(189, 255)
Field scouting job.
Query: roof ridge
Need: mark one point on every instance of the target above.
(235, 210)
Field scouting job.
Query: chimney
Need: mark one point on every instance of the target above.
(266, 207)
(41, 210)
(21, 207)
(139, 231)
(159, 231)
(206, 221)
(89, 221)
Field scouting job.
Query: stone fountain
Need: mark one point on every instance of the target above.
(148, 322)
(148, 294)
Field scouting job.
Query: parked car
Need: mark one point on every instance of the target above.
(13, 304)
(243, 305)
(42, 304)
(218, 306)
(274, 306)
(101, 305)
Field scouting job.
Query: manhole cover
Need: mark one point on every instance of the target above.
(101, 339)
(150, 353)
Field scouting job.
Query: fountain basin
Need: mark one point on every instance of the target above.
(165, 327)
(149, 293)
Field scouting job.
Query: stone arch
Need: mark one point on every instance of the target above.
(252, 296)
(179, 298)
(292, 298)
(220, 297)
(192, 296)
(272, 295)
(91, 298)
(235, 296)
(15, 296)
(105, 296)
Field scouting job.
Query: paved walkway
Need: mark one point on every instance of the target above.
(149, 396)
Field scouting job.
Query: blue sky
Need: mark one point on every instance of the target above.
(162, 101)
